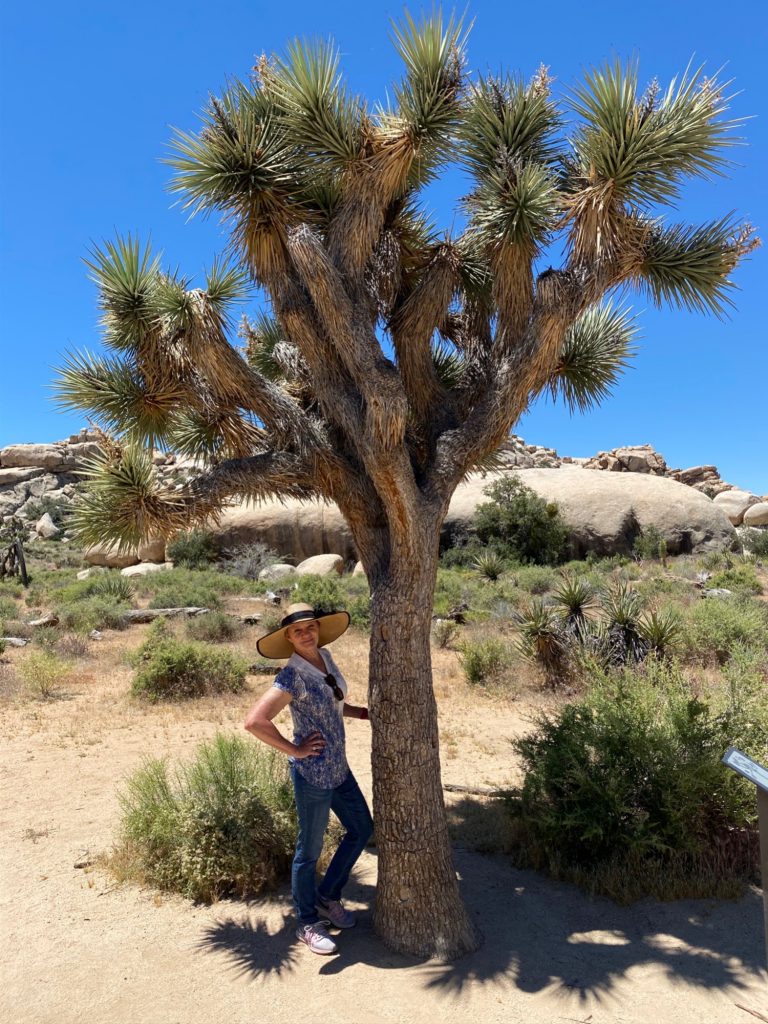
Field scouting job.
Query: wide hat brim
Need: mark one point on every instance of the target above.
(276, 644)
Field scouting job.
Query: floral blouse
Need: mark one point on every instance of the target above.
(314, 708)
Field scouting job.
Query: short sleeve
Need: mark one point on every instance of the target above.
(289, 680)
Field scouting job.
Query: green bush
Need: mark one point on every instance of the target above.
(7, 608)
(195, 549)
(57, 509)
(483, 660)
(444, 632)
(650, 544)
(625, 794)
(215, 627)
(92, 613)
(207, 580)
(170, 670)
(536, 579)
(43, 673)
(183, 591)
(740, 578)
(222, 824)
(715, 627)
(755, 541)
(324, 593)
(520, 524)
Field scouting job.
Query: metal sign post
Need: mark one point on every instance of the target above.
(758, 774)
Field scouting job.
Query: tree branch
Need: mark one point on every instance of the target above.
(413, 324)
(373, 375)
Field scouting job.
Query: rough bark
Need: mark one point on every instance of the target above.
(418, 906)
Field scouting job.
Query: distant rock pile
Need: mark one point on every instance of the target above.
(39, 480)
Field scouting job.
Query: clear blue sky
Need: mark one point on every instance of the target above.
(90, 92)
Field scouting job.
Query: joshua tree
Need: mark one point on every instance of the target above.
(394, 359)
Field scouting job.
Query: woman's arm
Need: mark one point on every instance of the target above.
(354, 711)
(259, 723)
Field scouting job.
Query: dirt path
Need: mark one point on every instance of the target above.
(77, 948)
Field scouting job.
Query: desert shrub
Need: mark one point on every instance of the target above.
(193, 549)
(755, 541)
(462, 553)
(92, 613)
(43, 673)
(535, 579)
(715, 627)
(248, 561)
(46, 637)
(520, 524)
(2, 645)
(324, 593)
(215, 627)
(484, 659)
(624, 792)
(650, 544)
(359, 609)
(15, 627)
(72, 645)
(450, 590)
(168, 669)
(57, 509)
(7, 608)
(209, 580)
(184, 591)
(221, 824)
(740, 578)
(444, 632)
(270, 620)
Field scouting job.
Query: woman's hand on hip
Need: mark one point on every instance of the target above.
(313, 745)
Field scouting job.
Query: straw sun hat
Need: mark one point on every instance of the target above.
(277, 645)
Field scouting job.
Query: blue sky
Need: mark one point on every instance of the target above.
(90, 91)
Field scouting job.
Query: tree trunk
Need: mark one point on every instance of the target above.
(418, 906)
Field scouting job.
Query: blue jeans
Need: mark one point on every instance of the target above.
(314, 806)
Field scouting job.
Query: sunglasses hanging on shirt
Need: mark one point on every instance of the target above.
(337, 691)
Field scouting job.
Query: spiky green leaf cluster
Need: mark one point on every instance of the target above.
(647, 144)
(597, 350)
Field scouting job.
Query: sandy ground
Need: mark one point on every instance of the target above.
(78, 947)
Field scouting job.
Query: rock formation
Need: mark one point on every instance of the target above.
(608, 499)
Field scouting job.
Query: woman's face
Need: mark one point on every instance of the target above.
(303, 637)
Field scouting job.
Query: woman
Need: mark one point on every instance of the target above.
(316, 691)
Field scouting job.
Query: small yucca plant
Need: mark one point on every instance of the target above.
(490, 565)
(116, 586)
(576, 597)
(543, 639)
(662, 631)
(623, 609)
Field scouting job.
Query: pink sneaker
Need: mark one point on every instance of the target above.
(317, 938)
(333, 911)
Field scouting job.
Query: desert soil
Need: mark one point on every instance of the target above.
(78, 947)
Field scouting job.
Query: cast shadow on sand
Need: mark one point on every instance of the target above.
(538, 934)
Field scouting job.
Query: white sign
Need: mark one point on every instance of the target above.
(745, 766)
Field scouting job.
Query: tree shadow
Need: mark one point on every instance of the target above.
(252, 948)
(538, 934)
(542, 934)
